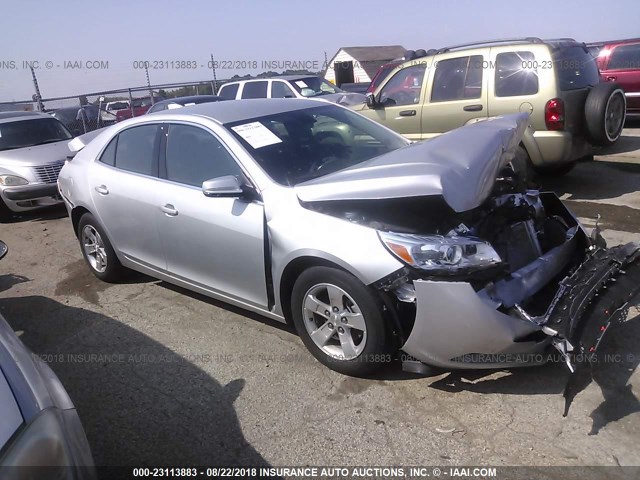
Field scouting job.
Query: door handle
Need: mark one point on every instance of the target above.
(169, 210)
(102, 190)
(472, 108)
(407, 113)
(611, 79)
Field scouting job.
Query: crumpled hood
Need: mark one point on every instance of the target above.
(34, 156)
(344, 98)
(461, 165)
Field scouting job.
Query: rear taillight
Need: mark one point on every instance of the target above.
(554, 114)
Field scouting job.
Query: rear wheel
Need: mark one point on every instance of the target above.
(340, 321)
(605, 111)
(97, 250)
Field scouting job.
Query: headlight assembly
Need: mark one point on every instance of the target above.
(439, 253)
(12, 180)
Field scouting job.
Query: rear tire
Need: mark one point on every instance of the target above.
(97, 250)
(605, 111)
(340, 321)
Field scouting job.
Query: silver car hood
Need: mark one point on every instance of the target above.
(33, 156)
(461, 165)
(344, 98)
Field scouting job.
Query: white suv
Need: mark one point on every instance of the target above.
(289, 86)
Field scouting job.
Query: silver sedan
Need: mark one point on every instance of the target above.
(308, 213)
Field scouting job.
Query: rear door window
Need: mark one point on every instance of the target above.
(516, 74)
(108, 156)
(255, 90)
(136, 150)
(575, 68)
(458, 79)
(229, 92)
(625, 57)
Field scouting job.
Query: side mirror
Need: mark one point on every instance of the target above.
(3, 249)
(372, 102)
(227, 186)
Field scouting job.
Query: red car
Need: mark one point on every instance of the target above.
(619, 61)
(381, 74)
(139, 107)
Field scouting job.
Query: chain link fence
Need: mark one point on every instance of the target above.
(87, 112)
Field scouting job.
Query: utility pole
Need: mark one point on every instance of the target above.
(326, 66)
(215, 81)
(146, 70)
(35, 85)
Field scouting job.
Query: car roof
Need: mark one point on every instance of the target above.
(192, 99)
(6, 117)
(288, 78)
(612, 43)
(238, 110)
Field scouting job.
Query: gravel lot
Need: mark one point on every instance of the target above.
(160, 375)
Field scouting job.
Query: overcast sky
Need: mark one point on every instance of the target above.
(123, 32)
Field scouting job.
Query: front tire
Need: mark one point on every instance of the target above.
(97, 250)
(340, 321)
(6, 215)
(556, 170)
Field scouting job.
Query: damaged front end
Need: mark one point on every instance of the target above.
(506, 313)
(495, 274)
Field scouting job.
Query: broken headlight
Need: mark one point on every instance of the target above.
(435, 252)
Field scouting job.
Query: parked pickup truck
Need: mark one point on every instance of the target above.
(139, 106)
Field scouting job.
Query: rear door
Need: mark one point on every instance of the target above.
(217, 243)
(401, 97)
(124, 186)
(456, 91)
(623, 67)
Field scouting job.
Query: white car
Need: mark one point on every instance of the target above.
(289, 86)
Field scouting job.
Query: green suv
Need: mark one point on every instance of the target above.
(555, 81)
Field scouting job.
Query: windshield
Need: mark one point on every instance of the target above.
(296, 146)
(314, 86)
(117, 106)
(28, 133)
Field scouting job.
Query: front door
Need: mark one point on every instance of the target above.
(217, 243)
(400, 101)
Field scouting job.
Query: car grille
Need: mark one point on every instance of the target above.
(48, 173)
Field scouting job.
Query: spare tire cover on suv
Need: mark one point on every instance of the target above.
(605, 113)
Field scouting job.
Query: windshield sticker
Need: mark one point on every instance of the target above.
(301, 84)
(171, 106)
(256, 134)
